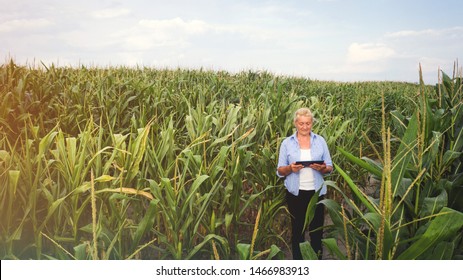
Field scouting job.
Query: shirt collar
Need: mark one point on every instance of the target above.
(312, 135)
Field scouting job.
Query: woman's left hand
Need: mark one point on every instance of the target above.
(319, 167)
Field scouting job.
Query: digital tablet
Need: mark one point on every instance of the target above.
(309, 162)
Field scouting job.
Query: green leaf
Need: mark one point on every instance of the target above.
(332, 246)
(363, 198)
(388, 242)
(307, 251)
(450, 156)
(276, 253)
(433, 149)
(443, 251)
(192, 193)
(46, 142)
(334, 210)
(244, 251)
(13, 176)
(432, 205)
(146, 223)
(104, 178)
(404, 154)
(372, 168)
(373, 219)
(206, 240)
(310, 212)
(80, 252)
(228, 220)
(445, 225)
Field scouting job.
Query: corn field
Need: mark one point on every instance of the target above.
(141, 163)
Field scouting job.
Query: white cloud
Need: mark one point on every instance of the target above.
(454, 31)
(396, 55)
(411, 33)
(434, 48)
(179, 33)
(24, 24)
(148, 34)
(176, 24)
(87, 41)
(360, 53)
(180, 28)
(110, 13)
(439, 44)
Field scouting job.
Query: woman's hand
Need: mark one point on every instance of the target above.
(288, 169)
(296, 167)
(322, 168)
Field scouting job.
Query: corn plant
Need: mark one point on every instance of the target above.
(412, 217)
(138, 163)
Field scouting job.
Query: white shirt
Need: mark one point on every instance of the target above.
(306, 178)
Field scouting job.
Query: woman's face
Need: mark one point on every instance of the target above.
(303, 125)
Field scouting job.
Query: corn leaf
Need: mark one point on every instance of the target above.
(363, 198)
(146, 223)
(441, 227)
(307, 251)
(332, 246)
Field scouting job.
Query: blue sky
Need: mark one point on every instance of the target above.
(336, 40)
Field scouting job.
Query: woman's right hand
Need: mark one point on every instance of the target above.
(295, 167)
(288, 169)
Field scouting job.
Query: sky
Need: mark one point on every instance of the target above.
(329, 40)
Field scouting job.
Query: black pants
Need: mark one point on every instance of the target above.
(297, 206)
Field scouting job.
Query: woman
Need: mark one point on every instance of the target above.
(303, 182)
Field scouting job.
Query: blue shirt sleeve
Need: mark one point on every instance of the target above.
(282, 157)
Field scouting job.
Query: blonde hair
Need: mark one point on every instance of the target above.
(303, 112)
